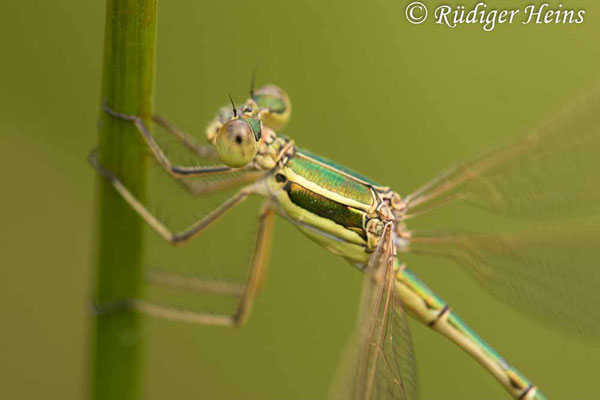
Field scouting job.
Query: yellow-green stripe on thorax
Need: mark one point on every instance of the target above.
(329, 203)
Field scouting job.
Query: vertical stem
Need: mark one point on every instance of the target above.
(129, 53)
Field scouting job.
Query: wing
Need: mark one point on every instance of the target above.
(551, 172)
(550, 273)
(379, 363)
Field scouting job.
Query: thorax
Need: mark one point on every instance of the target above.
(339, 209)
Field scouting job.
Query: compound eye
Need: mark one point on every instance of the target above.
(236, 143)
(276, 105)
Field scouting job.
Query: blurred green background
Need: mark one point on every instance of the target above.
(397, 102)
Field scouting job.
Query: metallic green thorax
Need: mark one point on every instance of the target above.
(338, 167)
(347, 217)
(329, 203)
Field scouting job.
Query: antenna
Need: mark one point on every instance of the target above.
(252, 81)
(235, 114)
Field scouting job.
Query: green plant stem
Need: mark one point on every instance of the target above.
(129, 53)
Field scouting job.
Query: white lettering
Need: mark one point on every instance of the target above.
(441, 16)
(513, 13)
(489, 19)
(533, 13)
(502, 16)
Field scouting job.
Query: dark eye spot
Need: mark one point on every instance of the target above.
(280, 178)
(238, 139)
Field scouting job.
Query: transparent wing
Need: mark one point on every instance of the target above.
(380, 362)
(552, 172)
(553, 274)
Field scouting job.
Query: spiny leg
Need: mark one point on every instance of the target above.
(431, 310)
(259, 263)
(231, 177)
(257, 267)
(175, 170)
(256, 275)
(158, 226)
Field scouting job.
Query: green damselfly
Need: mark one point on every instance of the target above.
(551, 172)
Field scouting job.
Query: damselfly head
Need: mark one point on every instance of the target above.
(237, 140)
(271, 104)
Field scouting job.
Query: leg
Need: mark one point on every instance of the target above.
(255, 277)
(258, 266)
(181, 172)
(431, 310)
(202, 151)
(159, 227)
(174, 170)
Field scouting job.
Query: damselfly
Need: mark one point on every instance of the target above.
(552, 172)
